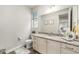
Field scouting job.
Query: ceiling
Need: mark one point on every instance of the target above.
(32, 6)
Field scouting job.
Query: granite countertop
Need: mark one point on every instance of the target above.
(56, 38)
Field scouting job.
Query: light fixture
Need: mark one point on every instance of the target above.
(52, 6)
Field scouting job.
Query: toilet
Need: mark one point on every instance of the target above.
(28, 43)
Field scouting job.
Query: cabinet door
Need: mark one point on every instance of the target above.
(68, 49)
(35, 43)
(53, 47)
(41, 45)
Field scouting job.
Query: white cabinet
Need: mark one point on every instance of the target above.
(35, 43)
(53, 47)
(47, 46)
(69, 49)
(41, 45)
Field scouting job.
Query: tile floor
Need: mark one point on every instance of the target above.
(22, 50)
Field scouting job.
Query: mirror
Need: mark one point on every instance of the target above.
(65, 21)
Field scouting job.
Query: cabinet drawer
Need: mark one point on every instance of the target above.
(68, 47)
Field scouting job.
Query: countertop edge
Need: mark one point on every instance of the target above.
(61, 40)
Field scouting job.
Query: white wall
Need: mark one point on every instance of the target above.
(49, 28)
(15, 21)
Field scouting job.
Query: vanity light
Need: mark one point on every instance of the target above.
(50, 9)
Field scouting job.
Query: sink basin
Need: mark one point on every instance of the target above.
(55, 35)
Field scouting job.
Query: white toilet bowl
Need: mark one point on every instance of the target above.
(28, 43)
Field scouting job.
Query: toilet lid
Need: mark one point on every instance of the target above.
(28, 41)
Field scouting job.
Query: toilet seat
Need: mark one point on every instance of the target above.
(28, 43)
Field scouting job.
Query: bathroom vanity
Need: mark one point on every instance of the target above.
(46, 44)
(53, 23)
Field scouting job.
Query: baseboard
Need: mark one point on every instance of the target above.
(14, 48)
